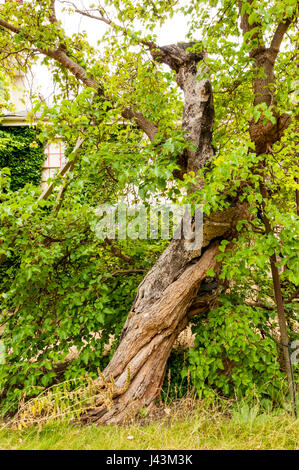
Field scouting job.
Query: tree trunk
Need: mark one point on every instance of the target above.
(147, 339)
(170, 293)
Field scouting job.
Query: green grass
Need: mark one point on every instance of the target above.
(177, 427)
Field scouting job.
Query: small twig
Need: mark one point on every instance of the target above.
(259, 305)
(125, 271)
(118, 253)
(293, 296)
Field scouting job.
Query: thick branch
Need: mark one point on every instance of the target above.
(118, 253)
(265, 135)
(198, 111)
(107, 21)
(175, 55)
(176, 299)
(246, 28)
(279, 35)
(52, 17)
(147, 126)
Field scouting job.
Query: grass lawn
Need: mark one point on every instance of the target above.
(177, 427)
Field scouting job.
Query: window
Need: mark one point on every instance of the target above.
(54, 161)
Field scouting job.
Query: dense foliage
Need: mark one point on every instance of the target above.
(61, 286)
(23, 153)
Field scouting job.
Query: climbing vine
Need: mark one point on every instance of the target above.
(23, 153)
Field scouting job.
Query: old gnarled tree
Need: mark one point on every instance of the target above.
(175, 288)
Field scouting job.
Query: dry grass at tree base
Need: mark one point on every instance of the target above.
(186, 424)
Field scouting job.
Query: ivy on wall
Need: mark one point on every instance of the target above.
(23, 153)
